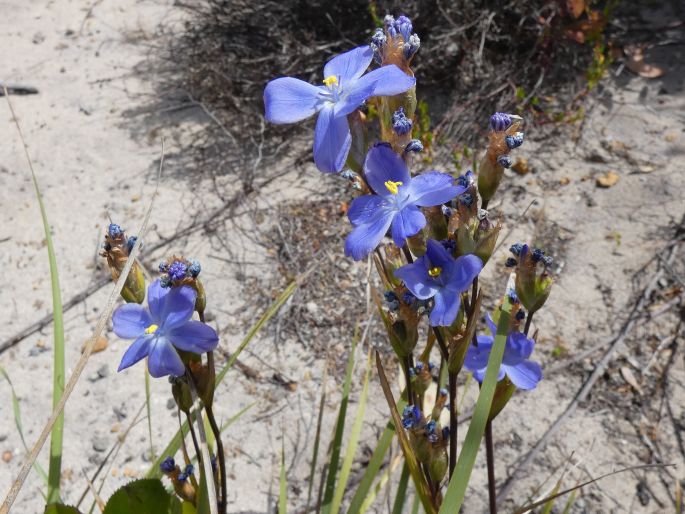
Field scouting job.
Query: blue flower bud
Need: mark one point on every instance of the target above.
(465, 180)
(514, 141)
(443, 391)
(445, 433)
(167, 465)
(521, 315)
(163, 267)
(404, 27)
(379, 38)
(504, 161)
(391, 300)
(465, 199)
(164, 281)
(389, 22)
(131, 242)
(516, 249)
(114, 230)
(449, 244)
(182, 477)
(513, 297)
(500, 121)
(547, 260)
(177, 270)
(400, 123)
(189, 469)
(511, 262)
(414, 145)
(194, 268)
(408, 298)
(537, 254)
(419, 367)
(431, 366)
(412, 46)
(446, 211)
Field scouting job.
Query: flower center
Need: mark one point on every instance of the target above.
(151, 329)
(435, 271)
(330, 81)
(393, 187)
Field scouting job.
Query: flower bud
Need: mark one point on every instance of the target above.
(533, 283)
(438, 466)
(503, 392)
(116, 249)
(183, 397)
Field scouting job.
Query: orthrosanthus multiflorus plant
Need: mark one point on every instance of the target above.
(430, 235)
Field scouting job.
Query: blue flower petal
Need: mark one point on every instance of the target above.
(433, 188)
(446, 308)
(349, 66)
(524, 375)
(463, 271)
(364, 208)
(366, 237)
(354, 95)
(287, 100)
(130, 320)
(139, 349)
(193, 336)
(407, 223)
(415, 277)
(518, 348)
(332, 141)
(174, 307)
(382, 164)
(390, 80)
(438, 255)
(164, 360)
(477, 356)
(491, 324)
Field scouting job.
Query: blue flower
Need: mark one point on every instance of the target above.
(168, 465)
(345, 87)
(523, 373)
(162, 327)
(177, 270)
(439, 276)
(396, 202)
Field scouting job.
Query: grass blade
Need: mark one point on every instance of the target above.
(352, 443)
(148, 408)
(401, 494)
(283, 484)
(326, 507)
(374, 466)
(382, 482)
(454, 496)
(317, 437)
(20, 427)
(57, 432)
(422, 488)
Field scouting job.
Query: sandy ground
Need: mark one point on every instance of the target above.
(96, 154)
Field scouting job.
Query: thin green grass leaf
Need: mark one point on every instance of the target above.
(83, 360)
(572, 499)
(57, 432)
(374, 465)
(339, 430)
(353, 442)
(20, 427)
(401, 494)
(317, 437)
(283, 484)
(415, 505)
(454, 496)
(382, 482)
(417, 476)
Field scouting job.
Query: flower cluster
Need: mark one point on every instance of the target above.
(116, 249)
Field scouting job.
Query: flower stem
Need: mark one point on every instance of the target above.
(220, 457)
(490, 456)
(453, 422)
(529, 320)
(192, 434)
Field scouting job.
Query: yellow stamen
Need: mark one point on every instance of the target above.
(151, 329)
(393, 187)
(435, 272)
(332, 80)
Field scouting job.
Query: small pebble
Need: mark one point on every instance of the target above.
(100, 443)
(7, 456)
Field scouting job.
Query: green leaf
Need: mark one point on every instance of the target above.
(57, 432)
(20, 427)
(58, 508)
(374, 466)
(175, 442)
(382, 482)
(202, 496)
(454, 496)
(401, 494)
(317, 437)
(352, 443)
(146, 496)
(283, 484)
(339, 429)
